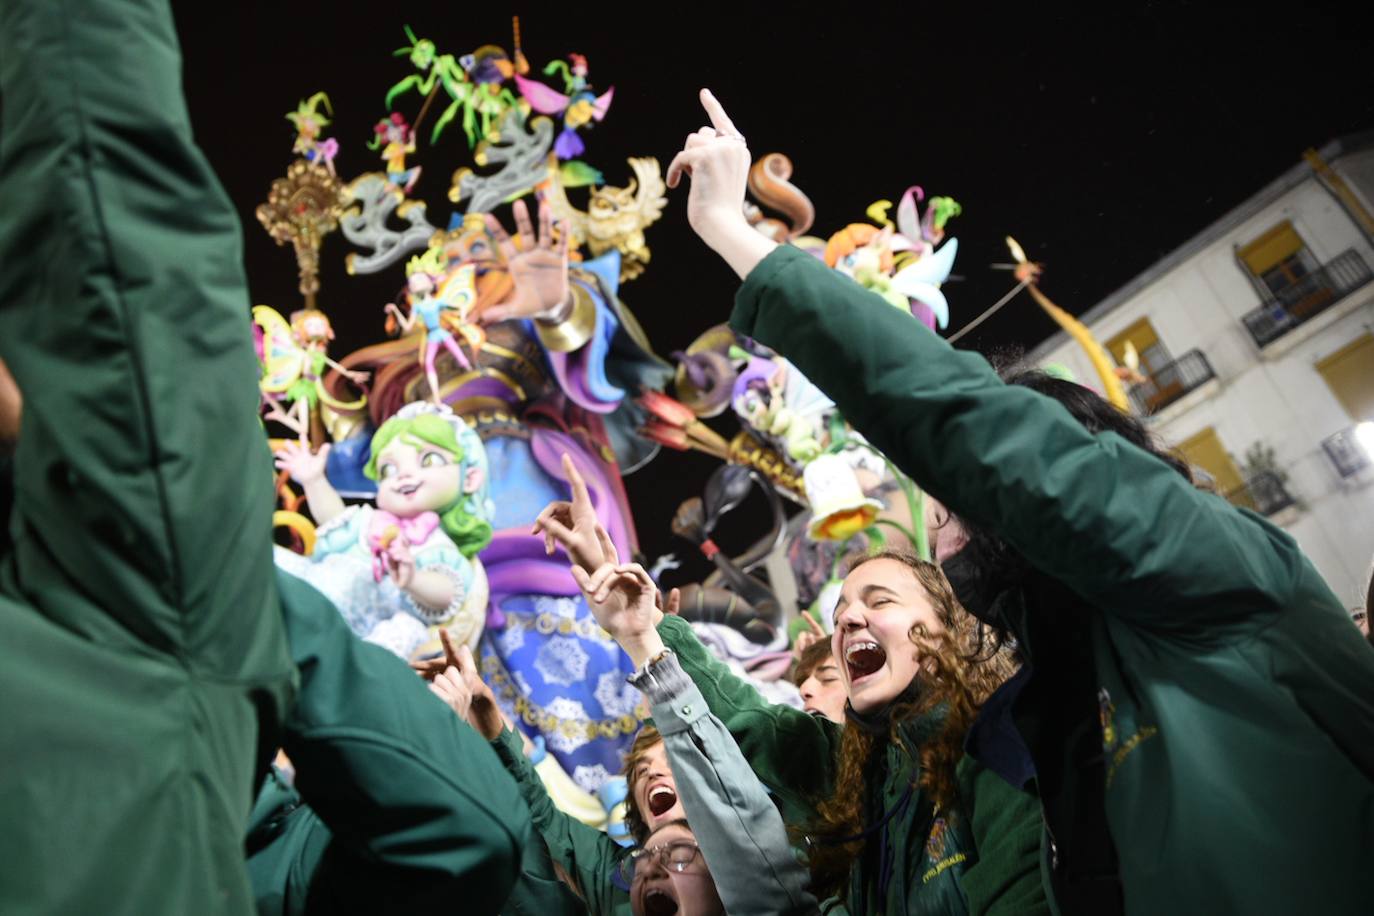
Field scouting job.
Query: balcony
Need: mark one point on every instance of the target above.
(1171, 382)
(1264, 493)
(1308, 297)
(1347, 452)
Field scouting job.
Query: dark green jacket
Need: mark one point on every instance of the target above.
(984, 861)
(143, 661)
(398, 804)
(1236, 765)
(588, 856)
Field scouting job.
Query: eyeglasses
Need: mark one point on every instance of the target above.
(676, 856)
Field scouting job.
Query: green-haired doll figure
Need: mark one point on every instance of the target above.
(408, 566)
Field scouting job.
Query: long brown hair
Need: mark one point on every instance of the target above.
(955, 679)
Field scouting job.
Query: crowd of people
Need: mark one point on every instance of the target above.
(1109, 691)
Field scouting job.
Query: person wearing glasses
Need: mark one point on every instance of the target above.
(669, 876)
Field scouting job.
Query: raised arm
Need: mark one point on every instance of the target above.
(792, 752)
(584, 853)
(739, 830)
(307, 468)
(588, 855)
(141, 474)
(1116, 524)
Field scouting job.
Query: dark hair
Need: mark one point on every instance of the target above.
(675, 822)
(812, 657)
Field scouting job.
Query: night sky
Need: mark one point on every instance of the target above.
(1101, 141)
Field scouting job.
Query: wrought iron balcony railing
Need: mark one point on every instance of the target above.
(1308, 297)
(1166, 385)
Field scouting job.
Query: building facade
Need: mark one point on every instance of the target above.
(1255, 343)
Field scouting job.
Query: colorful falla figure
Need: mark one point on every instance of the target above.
(293, 356)
(577, 105)
(901, 261)
(309, 123)
(396, 140)
(400, 570)
(436, 305)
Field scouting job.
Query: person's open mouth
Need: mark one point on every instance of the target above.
(661, 800)
(659, 903)
(863, 658)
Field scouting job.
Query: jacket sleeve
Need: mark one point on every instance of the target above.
(740, 832)
(1117, 525)
(1006, 879)
(143, 480)
(588, 855)
(790, 751)
(413, 807)
(539, 891)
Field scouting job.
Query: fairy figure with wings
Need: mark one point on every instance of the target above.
(293, 356)
(309, 122)
(440, 307)
(578, 106)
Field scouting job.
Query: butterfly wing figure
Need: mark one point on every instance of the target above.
(543, 99)
(283, 359)
(602, 104)
(458, 293)
(908, 221)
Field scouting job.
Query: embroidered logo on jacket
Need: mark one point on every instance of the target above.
(1110, 736)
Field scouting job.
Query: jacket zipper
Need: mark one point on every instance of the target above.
(1054, 847)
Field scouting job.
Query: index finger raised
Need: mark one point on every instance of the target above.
(450, 653)
(579, 486)
(719, 119)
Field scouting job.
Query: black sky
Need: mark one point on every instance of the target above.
(1100, 140)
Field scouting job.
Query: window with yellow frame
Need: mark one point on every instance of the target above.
(1204, 450)
(1349, 373)
(1281, 261)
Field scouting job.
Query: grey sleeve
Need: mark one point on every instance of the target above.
(740, 832)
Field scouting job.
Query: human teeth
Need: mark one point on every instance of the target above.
(857, 647)
(661, 790)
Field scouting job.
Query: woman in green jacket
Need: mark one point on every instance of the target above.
(1194, 692)
(889, 797)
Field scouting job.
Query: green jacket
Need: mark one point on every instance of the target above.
(398, 804)
(1230, 702)
(142, 652)
(587, 855)
(985, 861)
